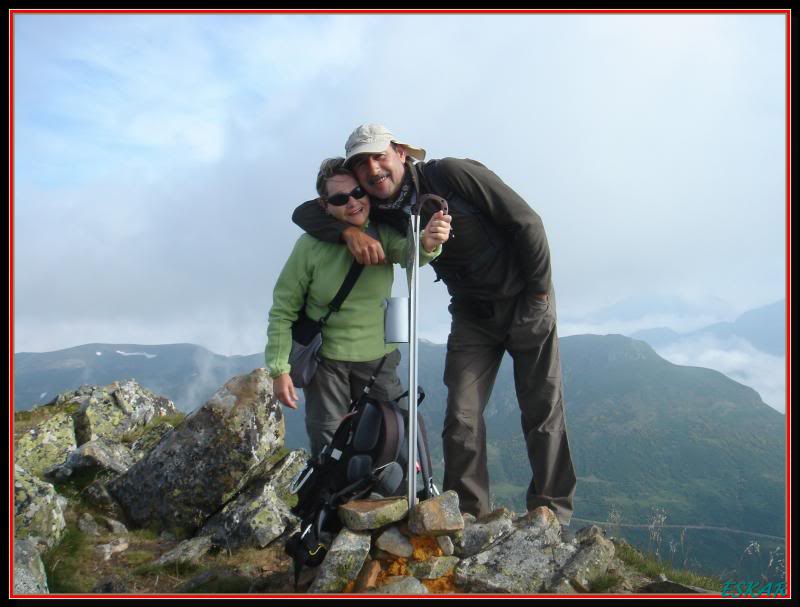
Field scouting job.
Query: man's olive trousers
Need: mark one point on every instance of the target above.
(480, 333)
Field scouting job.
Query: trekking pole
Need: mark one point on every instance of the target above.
(413, 308)
(412, 362)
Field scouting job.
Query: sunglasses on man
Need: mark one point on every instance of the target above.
(341, 198)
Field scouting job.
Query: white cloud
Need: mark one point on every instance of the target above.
(737, 359)
(158, 157)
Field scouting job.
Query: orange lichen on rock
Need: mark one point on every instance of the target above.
(392, 568)
(397, 567)
(425, 547)
(443, 585)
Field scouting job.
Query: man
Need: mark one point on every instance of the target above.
(496, 266)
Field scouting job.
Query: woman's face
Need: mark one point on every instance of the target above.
(356, 210)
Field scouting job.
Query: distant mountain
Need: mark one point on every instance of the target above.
(714, 452)
(186, 373)
(658, 337)
(764, 328)
(644, 433)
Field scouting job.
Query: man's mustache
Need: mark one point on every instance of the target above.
(375, 178)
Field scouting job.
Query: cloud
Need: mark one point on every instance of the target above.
(736, 358)
(158, 157)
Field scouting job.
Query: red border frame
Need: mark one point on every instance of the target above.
(788, 300)
(12, 12)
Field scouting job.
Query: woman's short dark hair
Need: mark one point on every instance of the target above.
(329, 168)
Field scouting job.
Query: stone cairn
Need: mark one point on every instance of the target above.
(385, 549)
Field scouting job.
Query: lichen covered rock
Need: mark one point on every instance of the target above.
(360, 515)
(521, 563)
(199, 466)
(343, 561)
(38, 510)
(47, 444)
(113, 410)
(95, 456)
(29, 574)
(436, 516)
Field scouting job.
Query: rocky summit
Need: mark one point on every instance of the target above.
(115, 492)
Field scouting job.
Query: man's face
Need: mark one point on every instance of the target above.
(381, 175)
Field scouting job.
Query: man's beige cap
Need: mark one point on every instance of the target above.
(374, 139)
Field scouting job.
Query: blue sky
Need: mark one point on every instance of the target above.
(158, 158)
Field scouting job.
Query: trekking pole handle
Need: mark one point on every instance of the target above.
(437, 201)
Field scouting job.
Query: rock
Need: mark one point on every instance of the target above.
(198, 467)
(400, 585)
(94, 456)
(279, 470)
(521, 563)
(188, 551)
(38, 511)
(259, 514)
(106, 550)
(96, 493)
(368, 577)
(152, 435)
(395, 543)
(436, 516)
(589, 534)
(446, 545)
(45, 445)
(561, 586)
(88, 525)
(360, 515)
(115, 526)
(433, 568)
(591, 561)
(29, 574)
(540, 517)
(255, 518)
(78, 397)
(484, 533)
(342, 563)
(111, 411)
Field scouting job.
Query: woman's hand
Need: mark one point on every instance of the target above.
(283, 389)
(436, 232)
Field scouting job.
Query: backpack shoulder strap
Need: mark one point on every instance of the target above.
(350, 280)
(347, 286)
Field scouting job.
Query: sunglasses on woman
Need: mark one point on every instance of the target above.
(341, 198)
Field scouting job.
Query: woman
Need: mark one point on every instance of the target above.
(352, 338)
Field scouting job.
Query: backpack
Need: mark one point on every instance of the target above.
(366, 458)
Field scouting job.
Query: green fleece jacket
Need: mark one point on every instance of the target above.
(317, 268)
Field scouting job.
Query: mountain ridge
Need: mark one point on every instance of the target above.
(764, 328)
(645, 433)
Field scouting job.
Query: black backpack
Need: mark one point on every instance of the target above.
(366, 458)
